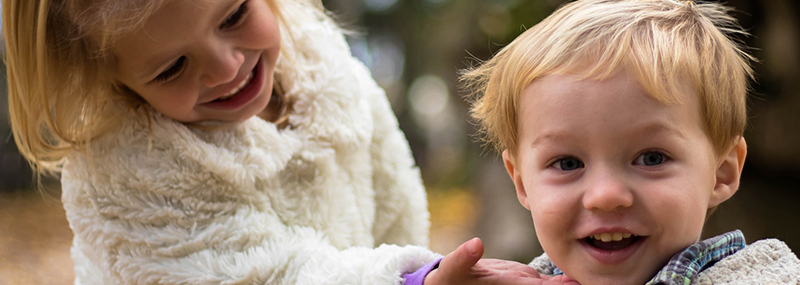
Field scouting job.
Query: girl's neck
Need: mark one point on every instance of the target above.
(277, 111)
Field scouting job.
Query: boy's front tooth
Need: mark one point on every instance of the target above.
(607, 237)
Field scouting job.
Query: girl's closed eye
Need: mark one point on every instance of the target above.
(567, 164)
(172, 70)
(231, 21)
(234, 19)
(651, 158)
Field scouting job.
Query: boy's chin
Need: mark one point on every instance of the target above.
(630, 280)
(635, 277)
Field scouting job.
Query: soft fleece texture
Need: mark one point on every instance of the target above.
(335, 198)
(768, 261)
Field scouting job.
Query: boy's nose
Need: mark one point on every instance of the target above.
(222, 66)
(607, 191)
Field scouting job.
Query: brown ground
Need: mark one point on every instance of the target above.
(34, 239)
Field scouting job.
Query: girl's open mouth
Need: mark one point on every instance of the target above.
(246, 82)
(247, 90)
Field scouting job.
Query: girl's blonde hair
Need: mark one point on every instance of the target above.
(60, 66)
(662, 43)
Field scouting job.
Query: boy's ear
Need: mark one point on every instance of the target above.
(510, 162)
(728, 173)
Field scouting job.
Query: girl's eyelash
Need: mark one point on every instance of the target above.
(172, 70)
(230, 21)
(234, 18)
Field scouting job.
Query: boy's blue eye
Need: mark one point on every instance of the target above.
(172, 70)
(568, 164)
(234, 18)
(650, 158)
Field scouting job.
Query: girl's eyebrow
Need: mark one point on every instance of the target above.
(157, 65)
(163, 59)
(155, 62)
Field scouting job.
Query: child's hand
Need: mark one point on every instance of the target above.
(465, 266)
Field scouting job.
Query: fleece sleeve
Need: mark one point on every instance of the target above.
(155, 243)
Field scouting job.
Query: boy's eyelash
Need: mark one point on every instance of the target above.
(171, 70)
(663, 156)
(234, 18)
(558, 163)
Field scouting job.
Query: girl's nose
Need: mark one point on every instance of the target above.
(222, 65)
(607, 191)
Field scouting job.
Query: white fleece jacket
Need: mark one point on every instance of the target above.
(333, 199)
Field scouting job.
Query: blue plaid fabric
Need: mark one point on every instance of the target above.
(684, 266)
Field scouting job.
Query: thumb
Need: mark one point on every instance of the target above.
(459, 262)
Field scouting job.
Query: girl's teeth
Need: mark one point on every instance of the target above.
(238, 88)
(607, 237)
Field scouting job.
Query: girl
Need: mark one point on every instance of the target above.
(218, 141)
(146, 107)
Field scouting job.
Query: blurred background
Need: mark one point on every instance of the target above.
(415, 49)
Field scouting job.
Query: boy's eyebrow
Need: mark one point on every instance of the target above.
(661, 127)
(550, 137)
(647, 129)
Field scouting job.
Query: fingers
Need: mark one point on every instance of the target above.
(465, 266)
(558, 280)
(507, 266)
(459, 262)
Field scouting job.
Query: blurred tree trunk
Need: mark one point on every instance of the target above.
(765, 205)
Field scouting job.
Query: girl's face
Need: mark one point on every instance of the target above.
(203, 60)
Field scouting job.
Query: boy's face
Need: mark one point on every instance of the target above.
(203, 60)
(616, 182)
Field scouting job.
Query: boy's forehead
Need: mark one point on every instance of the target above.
(561, 104)
(670, 89)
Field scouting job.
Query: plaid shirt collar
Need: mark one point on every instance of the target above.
(684, 266)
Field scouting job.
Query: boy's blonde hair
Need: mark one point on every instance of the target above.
(662, 43)
(60, 66)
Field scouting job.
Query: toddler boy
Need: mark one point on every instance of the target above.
(621, 125)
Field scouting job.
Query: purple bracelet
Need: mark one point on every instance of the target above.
(418, 277)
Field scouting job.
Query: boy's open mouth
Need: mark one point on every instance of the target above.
(611, 241)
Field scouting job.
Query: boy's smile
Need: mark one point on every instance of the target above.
(616, 181)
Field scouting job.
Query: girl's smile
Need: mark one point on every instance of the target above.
(220, 67)
(247, 89)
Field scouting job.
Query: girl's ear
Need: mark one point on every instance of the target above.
(728, 173)
(510, 162)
